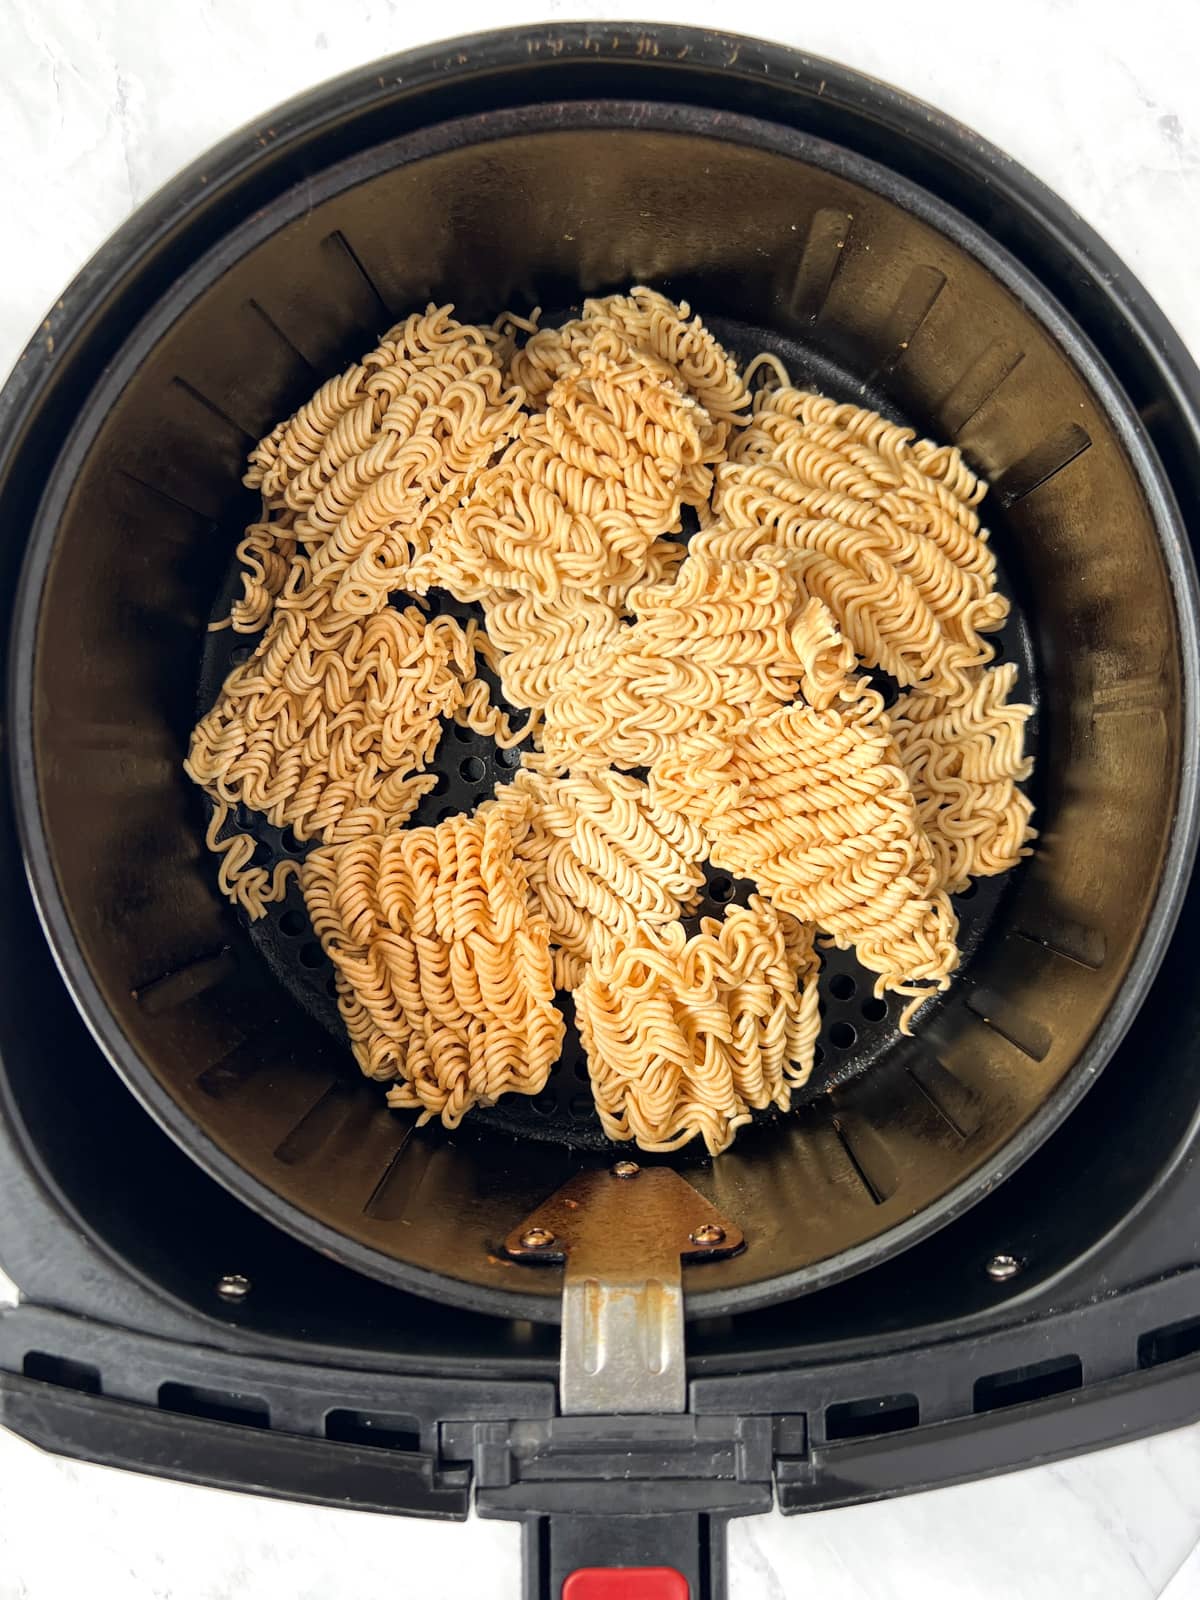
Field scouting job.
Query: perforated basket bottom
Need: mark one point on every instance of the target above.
(857, 1030)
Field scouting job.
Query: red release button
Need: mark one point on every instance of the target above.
(625, 1583)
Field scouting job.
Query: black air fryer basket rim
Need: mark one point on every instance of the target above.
(171, 209)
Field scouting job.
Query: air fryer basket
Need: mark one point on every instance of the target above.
(871, 289)
(858, 1028)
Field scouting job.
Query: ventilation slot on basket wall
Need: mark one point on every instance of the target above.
(1172, 1343)
(912, 305)
(382, 1430)
(59, 1370)
(827, 236)
(859, 1419)
(1020, 1385)
(217, 1405)
(175, 988)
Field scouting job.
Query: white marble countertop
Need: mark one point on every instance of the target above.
(103, 100)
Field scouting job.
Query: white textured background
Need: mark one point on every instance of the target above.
(102, 101)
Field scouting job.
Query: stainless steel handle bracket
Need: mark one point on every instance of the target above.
(622, 1235)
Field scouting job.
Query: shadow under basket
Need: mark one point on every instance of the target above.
(871, 289)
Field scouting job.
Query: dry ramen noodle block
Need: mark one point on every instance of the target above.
(443, 966)
(870, 471)
(327, 727)
(580, 498)
(623, 420)
(964, 760)
(536, 646)
(724, 641)
(364, 474)
(686, 1037)
(748, 621)
(602, 860)
(816, 808)
(657, 328)
(881, 528)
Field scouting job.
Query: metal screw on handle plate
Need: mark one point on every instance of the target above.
(1002, 1267)
(708, 1233)
(537, 1239)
